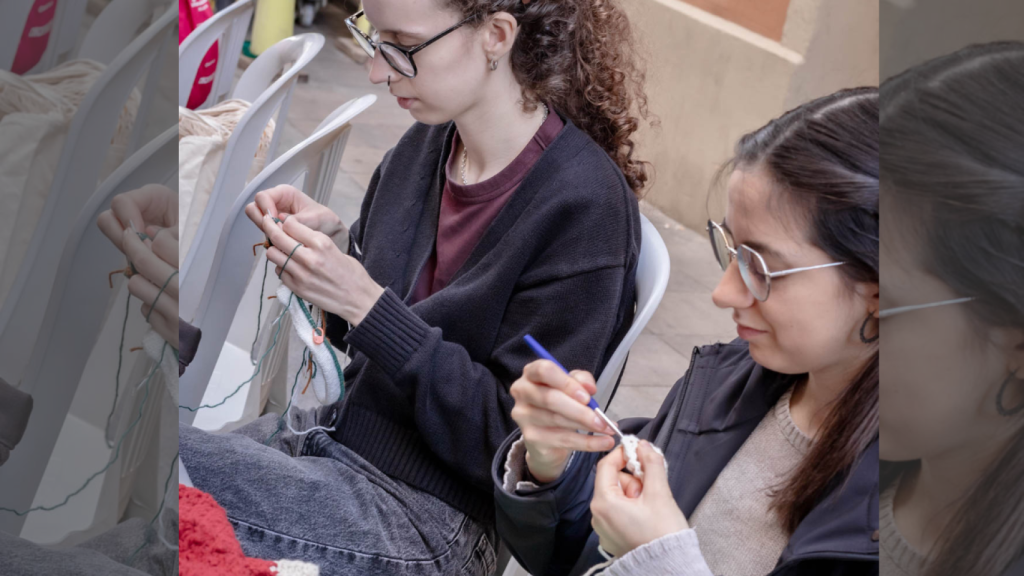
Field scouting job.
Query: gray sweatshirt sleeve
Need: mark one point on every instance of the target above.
(676, 554)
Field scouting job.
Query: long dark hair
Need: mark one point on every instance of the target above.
(953, 170)
(579, 55)
(823, 159)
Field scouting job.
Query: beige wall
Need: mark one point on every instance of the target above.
(710, 80)
(915, 31)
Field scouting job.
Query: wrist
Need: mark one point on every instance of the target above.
(364, 302)
(545, 472)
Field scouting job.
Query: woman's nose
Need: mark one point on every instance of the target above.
(731, 292)
(379, 69)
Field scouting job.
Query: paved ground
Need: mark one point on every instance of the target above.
(686, 316)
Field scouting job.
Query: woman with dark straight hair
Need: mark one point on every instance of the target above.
(952, 413)
(769, 443)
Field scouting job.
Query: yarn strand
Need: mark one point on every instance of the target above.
(117, 451)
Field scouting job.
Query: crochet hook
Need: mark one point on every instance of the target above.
(540, 351)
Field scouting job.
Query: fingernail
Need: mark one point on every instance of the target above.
(582, 396)
(599, 423)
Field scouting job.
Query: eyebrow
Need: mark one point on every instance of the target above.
(762, 249)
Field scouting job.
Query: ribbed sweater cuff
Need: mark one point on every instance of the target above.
(676, 554)
(390, 333)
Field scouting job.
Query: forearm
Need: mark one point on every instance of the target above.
(545, 526)
(677, 554)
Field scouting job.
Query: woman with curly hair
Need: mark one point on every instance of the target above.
(510, 208)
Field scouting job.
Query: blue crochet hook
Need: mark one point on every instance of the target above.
(540, 351)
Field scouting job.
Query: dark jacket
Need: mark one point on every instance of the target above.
(427, 397)
(705, 419)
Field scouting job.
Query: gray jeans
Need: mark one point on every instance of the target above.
(307, 497)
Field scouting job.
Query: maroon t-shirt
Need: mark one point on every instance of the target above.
(468, 210)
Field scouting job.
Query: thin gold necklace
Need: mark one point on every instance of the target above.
(465, 150)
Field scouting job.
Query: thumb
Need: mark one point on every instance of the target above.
(655, 470)
(606, 479)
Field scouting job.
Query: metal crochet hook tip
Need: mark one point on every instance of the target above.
(611, 424)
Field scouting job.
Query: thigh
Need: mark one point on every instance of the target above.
(330, 507)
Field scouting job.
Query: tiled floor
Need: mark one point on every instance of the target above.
(686, 317)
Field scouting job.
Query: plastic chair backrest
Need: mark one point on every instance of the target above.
(219, 294)
(652, 272)
(67, 23)
(114, 29)
(228, 27)
(241, 147)
(72, 321)
(286, 58)
(85, 147)
(13, 17)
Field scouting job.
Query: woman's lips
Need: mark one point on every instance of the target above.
(405, 103)
(747, 333)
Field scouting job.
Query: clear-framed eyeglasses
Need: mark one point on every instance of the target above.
(755, 273)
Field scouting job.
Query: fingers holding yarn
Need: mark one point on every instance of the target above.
(166, 327)
(166, 304)
(154, 268)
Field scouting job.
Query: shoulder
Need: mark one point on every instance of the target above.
(584, 175)
(579, 197)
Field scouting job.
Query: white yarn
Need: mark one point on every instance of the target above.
(295, 568)
(328, 390)
(629, 446)
(153, 344)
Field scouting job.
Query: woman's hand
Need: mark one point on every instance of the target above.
(318, 271)
(147, 209)
(285, 202)
(153, 209)
(550, 407)
(627, 513)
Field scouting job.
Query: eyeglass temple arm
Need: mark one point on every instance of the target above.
(804, 269)
(439, 36)
(902, 309)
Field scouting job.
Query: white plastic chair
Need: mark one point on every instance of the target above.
(82, 155)
(114, 29)
(71, 324)
(215, 297)
(13, 17)
(277, 66)
(244, 140)
(66, 24)
(652, 274)
(226, 27)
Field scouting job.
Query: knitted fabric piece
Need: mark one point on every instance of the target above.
(629, 446)
(330, 388)
(208, 547)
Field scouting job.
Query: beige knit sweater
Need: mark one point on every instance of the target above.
(895, 555)
(739, 534)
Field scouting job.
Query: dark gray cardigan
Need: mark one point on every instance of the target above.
(427, 398)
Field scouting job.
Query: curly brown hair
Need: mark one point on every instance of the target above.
(579, 56)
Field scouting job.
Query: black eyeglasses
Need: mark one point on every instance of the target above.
(397, 57)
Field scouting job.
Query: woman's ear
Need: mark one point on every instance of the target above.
(869, 294)
(499, 34)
